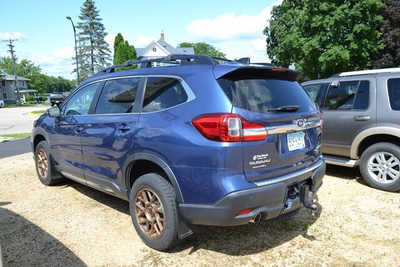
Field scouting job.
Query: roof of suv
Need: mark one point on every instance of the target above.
(357, 74)
(183, 65)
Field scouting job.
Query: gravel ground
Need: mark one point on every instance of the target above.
(73, 225)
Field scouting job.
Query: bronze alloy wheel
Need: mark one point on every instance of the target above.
(149, 213)
(42, 163)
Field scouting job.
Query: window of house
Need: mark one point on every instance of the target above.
(3, 83)
(79, 104)
(162, 93)
(118, 96)
(394, 93)
(350, 95)
(154, 49)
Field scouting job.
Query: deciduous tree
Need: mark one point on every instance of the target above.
(324, 37)
(203, 49)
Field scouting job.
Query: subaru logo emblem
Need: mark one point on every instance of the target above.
(301, 123)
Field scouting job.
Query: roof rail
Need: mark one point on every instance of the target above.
(365, 72)
(171, 59)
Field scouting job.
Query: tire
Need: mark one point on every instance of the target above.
(51, 176)
(165, 198)
(369, 166)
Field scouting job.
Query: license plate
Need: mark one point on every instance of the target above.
(296, 141)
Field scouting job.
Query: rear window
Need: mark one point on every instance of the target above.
(261, 95)
(315, 90)
(394, 93)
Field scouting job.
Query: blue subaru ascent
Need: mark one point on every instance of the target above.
(187, 140)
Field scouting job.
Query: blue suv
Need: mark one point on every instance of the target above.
(187, 140)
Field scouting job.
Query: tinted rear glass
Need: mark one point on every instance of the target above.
(394, 93)
(260, 95)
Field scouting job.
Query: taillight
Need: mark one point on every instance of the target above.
(228, 127)
(321, 121)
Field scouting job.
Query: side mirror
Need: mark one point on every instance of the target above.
(54, 112)
(335, 84)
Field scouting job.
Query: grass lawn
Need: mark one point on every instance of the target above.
(37, 112)
(16, 136)
(25, 105)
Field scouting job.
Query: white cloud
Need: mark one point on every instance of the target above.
(235, 35)
(110, 40)
(230, 26)
(11, 35)
(143, 40)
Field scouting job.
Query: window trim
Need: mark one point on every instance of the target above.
(324, 108)
(388, 94)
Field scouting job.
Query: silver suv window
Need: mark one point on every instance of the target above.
(394, 93)
(350, 95)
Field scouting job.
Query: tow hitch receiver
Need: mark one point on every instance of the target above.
(308, 198)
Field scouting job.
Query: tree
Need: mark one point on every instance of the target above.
(122, 50)
(94, 52)
(390, 27)
(324, 37)
(203, 49)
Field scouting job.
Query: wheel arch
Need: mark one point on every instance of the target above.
(370, 136)
(156, 161)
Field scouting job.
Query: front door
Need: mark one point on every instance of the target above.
(66, 141)
(108, 138)
(347, 109)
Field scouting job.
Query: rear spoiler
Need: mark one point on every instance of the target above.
(257, 72)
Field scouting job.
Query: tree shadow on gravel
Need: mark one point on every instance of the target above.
(25, 244)
(239, 240)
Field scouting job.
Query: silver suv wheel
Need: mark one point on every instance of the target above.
(384, 167)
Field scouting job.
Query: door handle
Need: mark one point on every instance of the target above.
(124, 127)
(362, 118)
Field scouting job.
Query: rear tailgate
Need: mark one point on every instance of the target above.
(258, 96)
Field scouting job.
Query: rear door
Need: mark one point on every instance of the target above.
(348, 109)
(108, 135)
(293, 132)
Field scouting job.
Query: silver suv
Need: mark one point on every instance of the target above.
(361, 112)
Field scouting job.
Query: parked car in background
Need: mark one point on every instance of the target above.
(361, 112)
(57, 98)
(195, 142)
(1, 103)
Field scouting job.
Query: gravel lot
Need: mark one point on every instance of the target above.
(74, 225)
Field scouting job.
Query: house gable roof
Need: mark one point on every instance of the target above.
(165, 47)
(8, 77)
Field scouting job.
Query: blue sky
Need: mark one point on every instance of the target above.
(46, 37)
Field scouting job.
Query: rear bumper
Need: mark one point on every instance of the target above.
(270, 199)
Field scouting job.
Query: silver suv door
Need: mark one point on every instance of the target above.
(349, 107)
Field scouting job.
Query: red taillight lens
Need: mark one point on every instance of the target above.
(243, 212)
(228, 127)
(321, 120)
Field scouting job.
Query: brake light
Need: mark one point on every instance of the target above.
(228, 127)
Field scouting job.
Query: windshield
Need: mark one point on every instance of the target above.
(264, 95)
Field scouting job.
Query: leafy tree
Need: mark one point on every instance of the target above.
(94, 52)
(122, 50)
(324, 37)
(390, 27)
(203, 49)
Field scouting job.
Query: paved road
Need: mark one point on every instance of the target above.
(14, 148)
(17, 120)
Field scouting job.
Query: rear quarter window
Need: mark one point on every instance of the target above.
(261, 95)
(394, 93)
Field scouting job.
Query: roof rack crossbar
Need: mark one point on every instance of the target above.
(173, 59)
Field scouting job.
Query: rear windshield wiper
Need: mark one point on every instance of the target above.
(284, 109)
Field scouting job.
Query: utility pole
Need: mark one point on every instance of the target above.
(12, 52)
(76, 50)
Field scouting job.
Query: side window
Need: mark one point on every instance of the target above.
(79, 104)
(118, 96)
(314, 91)
(350, 95)
(162, 93)
(394, 93)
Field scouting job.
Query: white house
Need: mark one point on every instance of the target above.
(161, 48)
